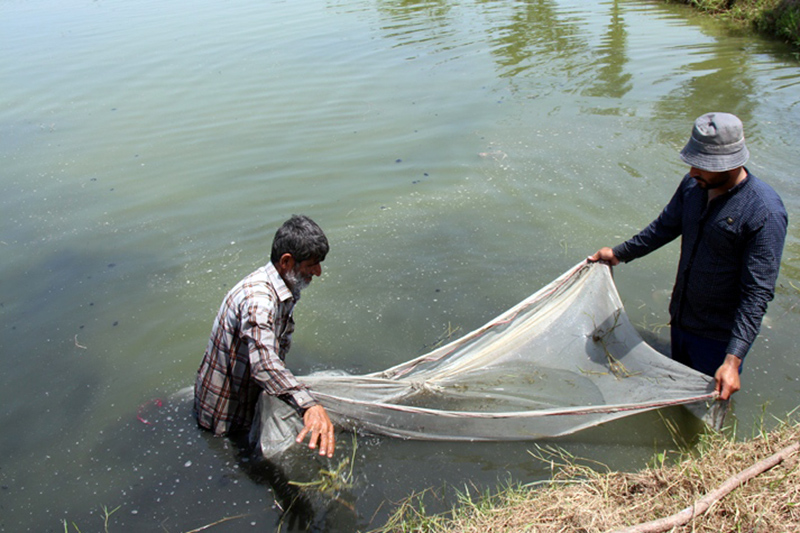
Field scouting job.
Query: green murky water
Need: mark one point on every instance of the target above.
(460, 155)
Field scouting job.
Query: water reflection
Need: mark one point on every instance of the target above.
(611, 79)
(526, 37)
(435, 10)
(310, 493)
(714, 78)
(535, 36)
(297, 511)
(418, 22)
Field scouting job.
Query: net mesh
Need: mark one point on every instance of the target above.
(564, 359)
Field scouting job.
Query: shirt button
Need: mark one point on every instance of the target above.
(729, 220)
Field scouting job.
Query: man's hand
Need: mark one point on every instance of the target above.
(604, 254)
(320, 427)
(727, 377)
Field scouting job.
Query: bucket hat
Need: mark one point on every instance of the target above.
(716, 144)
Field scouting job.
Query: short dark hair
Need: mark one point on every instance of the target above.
(302, 238)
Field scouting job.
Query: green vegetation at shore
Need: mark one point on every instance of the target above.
(583, 497)
(775, 18)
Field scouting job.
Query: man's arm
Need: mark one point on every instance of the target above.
(269, 370)
(664, 229)
(759, 275)
(762, 260)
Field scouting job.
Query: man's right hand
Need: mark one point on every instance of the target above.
(727, 377)
(604, 254)
(320, 428)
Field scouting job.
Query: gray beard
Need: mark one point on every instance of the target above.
(295, 283)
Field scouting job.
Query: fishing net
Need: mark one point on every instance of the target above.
(564, 359)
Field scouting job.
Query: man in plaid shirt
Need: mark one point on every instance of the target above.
(252, 335)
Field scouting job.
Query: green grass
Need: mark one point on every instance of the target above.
(779, 19)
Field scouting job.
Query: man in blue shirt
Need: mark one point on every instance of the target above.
(732, 227)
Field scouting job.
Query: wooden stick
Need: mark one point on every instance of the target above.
(702, 505)
(212, 524)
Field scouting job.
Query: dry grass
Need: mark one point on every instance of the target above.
(581, 499)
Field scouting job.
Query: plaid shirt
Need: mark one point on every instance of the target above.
(730, 255)
(245, 354)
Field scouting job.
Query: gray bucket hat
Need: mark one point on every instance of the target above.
(716, 144)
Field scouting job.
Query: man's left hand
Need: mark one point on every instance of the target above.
(727, 377)
(320, 427)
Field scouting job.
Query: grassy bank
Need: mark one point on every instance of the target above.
(778, 19)
(583, 497)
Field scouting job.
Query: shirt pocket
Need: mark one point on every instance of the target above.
(724, 238)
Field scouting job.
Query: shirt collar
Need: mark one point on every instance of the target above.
(742, 184)
(277, 281)
(735, 189)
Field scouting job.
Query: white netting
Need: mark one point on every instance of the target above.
(564, 359)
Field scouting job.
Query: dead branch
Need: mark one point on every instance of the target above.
(220, 521)
(702, 505)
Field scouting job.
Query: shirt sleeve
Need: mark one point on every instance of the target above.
(259, 325)
(758, 278)
(663, 230)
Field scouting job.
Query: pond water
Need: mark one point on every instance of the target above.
(459, 155)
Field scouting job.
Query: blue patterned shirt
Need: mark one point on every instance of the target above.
(730, 256)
